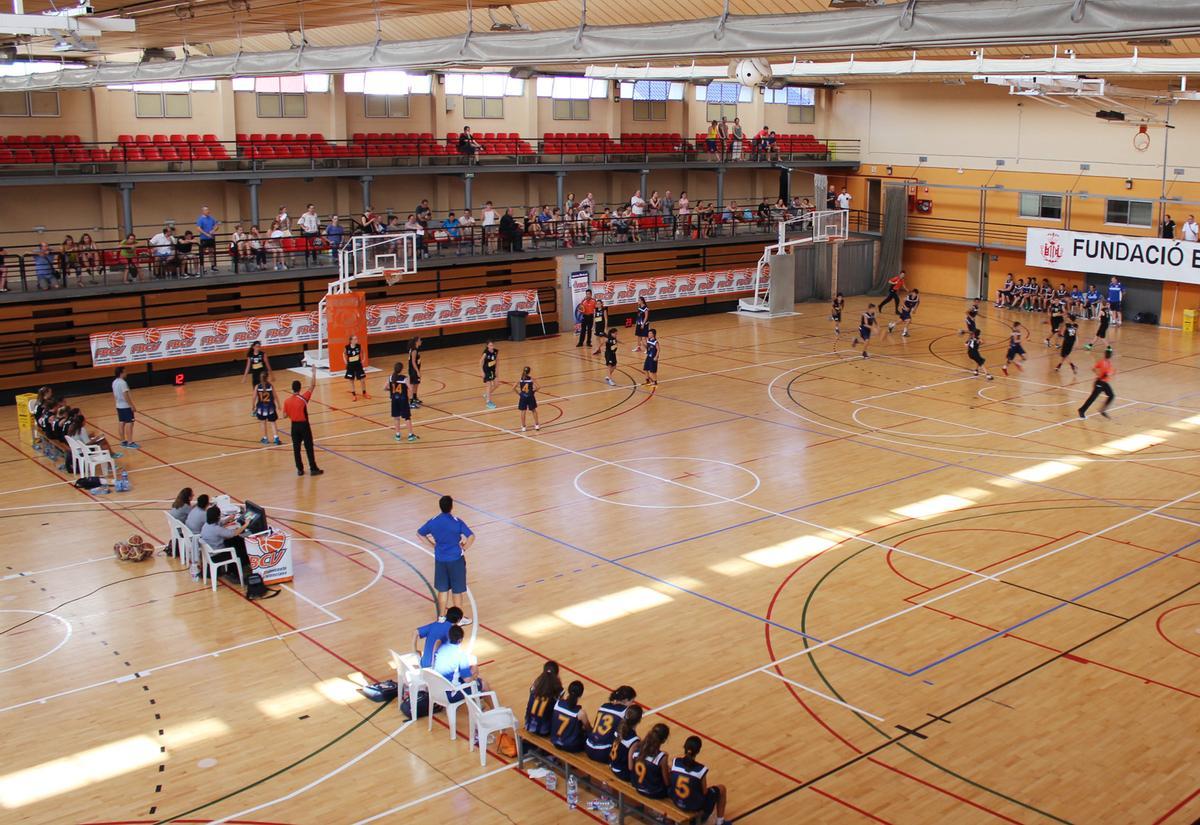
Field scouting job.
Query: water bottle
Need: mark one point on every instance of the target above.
(572, 793)
(123, 482)
(551, 781)
(195, 571)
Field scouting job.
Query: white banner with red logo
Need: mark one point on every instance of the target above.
(270, 555)
(234, 335)
(1156, 259)
(666, 287)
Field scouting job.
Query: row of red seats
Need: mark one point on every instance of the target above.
(571, 143)
(652, 141)
(144, 141)
(798, 144)
(272, 138)
(494, 143)
(34, 141)
(117, 154)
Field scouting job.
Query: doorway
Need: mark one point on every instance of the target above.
(978, 267)
(874, 205)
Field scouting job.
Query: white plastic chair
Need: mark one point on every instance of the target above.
(483, 723)
(440, 688)
(182, 541)
(211, 568)
(191, 547)
(408, 672)
(89, 459)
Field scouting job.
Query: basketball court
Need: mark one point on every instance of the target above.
(880, 589)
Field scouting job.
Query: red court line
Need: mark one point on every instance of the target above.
(1166, 638)
(1050, 540)
(1185, 801)
(867, 814)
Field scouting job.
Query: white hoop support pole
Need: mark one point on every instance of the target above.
(537, 305)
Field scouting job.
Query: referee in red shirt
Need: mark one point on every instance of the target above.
(296, 409)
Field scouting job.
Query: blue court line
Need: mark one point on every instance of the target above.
(560, 454)
(782, 512)
(597, 557)
(1058, 606)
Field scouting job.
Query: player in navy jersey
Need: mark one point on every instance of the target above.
(354, 367)
(1070, 333)
(650, 365)
(907, 310)
(690, 790)
(624, 743)
(257, 365)
(526, 390)
(641, 324)
(601, 322)
(651, 764)
(1105, 316)
(265, 409)
(397, 390)
(835, 314)
(1015, 350)
(487, 363)
(569, 721)
(973, 344)
(543, 693)
(610, 354)
(971, 319)
(866, 325)
(414, 370)
(608, 719)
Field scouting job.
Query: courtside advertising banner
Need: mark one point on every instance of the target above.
(234, 335)
(666, 287)
(270, 555)
(1156, 259)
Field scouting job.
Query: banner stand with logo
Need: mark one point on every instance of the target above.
(270, 554)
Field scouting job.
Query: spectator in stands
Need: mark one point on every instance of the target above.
(689, 786)
(3, 269)
(708, 219)
(489, 221)
(469, 146)
(843, 200)
(196, 518)
(569, 721)
(759, 146)
(590, 202)
(335, 236)
(239, 248)
(779, 212)
(162, 246)
(258, 248)
(43, 267)
(650, 764)
(736, 136)
(89, 256)
(668, 213)
(620, 225)
(764, 215)
(543, 693)
(710, 142)
(684, 221)
(654, 205)
(569, 203)
(451, 232)
(459, 668)
(207, 225)
(466, 222)
(370, 223)
(188, 258)
(723, 139)
(771, 146)
(275, 246)
(510, 233)
(534, 226)
(69, 260)
(435, 634)
(417, 228)
(1168, 228)
(284, 220)
(637, 204)
(423, 212)
(310, 232)
(128, 253)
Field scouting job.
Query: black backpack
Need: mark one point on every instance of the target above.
(256, 588)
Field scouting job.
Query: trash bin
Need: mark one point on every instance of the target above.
(25, 417)
(516, 324)
(1189, 320)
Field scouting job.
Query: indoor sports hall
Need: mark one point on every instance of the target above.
(814, 384)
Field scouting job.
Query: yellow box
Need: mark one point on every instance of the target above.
(1189, 320)
(25, 417)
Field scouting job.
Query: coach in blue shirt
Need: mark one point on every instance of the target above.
(450, 537)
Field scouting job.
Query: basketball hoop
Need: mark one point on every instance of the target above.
(1141, 141)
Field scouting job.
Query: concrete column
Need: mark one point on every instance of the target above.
(126, 188)
(468, 180)
(720, 186)
(253, 185)
(365, 180)
(560, 179)
(645, 183)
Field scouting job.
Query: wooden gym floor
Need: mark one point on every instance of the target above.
(881, 590)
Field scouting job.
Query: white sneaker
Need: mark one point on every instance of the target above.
(522, 429)
(464, 621)
(537, 426)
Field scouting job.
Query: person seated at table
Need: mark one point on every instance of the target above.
(198, 515)
(458, 667)
(624, 743)
(224, 534)
(608, 718)
(689, 786)
(650, 764)
(543, 693)
(435, 634)
(570, 725)
(182, 506)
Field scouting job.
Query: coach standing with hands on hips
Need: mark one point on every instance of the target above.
(450, 537)
(296, 409)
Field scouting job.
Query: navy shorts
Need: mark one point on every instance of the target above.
(400, 409)
(489, 376)
(526, 403)
(1115, 306)
(450, 575)
(125, 415)
(905, 315)
(650, 365)
(1014, 351)
(711, 797)
(864, 332)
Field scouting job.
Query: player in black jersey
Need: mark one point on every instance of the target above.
(975, 355)
(866, 326)
(625, 742)
(1102, 329)
(1057, 310)
(526, 390)
(972, 322)
(569, 721)
(907, 310)
(835, 314)
(265, 409)
(650, 365)
(414, 370)
(641, 324)
(397, 390)
(601, 322)
(690, 790)
(354, 367)
(487, 363)
(1015, 350)
(610, 354)
(1070, 332)
(257, 365)
(608, 719)
(543, 693)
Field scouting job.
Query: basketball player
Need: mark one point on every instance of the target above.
(569, 722)
(1102, 330)
(257, 365)
(265, 409)
(895, 284)
(526, 390)
(397, 390)
(865, 325)
(835, 315)
(610, 355)
(608, 718)
(354, 367)
(601, 321)
(972, 315)
(414, 371)
(650, 366)
(690, 790)
(641, 324)
(975, 355)
(907, 310)
(1069, 333)
(487, 363)
(1015, 349)
(1056, 310)
(1104, 371)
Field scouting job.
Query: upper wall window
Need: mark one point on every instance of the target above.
(801, 103)
(29, 104)
(1036, 205)
(1129, 213)
(723, 99)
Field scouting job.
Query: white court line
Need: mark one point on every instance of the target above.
(369, 552)
(39, 614)
(916, 606)
(912, 389)
(320, 607)
(891, 430)
(28, 573)
(456, 786)
(344, 766)
(824, 696)
(1073, 418)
